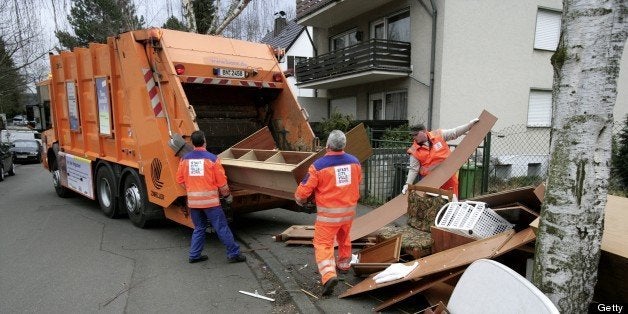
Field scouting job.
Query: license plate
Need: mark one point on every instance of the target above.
(18, 156)
(231, 73)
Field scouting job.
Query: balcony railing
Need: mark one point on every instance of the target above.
(305, 7)
(375, 54)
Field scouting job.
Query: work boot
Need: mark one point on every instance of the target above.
(198, 259)
(237, 259)
(328, 287)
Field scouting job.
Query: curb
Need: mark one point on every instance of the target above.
(300, 300)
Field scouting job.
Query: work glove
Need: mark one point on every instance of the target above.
(229, 199)
(394, 272)
(404, 190)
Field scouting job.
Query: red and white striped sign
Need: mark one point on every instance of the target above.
(221, 81)
(153, 93)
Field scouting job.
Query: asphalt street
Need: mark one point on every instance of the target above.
(63, 256)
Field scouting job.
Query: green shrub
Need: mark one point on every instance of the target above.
(337, 121)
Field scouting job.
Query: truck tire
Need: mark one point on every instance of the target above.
(105, 188)
(1, 173)
(142, 213)
(61, 190)
(12, 170)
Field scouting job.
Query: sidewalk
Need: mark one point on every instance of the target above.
(295, 268)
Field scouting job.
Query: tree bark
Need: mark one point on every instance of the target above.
(188, 14)
(235, 9)
(586, 67)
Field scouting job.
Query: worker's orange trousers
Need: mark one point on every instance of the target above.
(451, 184)
(324, 236)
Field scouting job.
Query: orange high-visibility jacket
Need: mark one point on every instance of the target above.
(432, 155)
(203, 175)
(335, 181)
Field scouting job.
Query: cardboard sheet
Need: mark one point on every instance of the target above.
(395, 208)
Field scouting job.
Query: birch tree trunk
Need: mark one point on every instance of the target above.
(188, 14)
(586, 67)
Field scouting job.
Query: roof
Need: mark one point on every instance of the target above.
(286, 38)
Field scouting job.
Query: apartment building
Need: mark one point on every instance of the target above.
(440, 62)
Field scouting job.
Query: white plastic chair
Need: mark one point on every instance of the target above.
(490, 287)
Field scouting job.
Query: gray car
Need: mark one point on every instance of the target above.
(6, 161)
(26, 151)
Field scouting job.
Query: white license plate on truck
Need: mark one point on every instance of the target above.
(231, 73)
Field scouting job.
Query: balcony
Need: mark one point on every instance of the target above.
(326, 13)
(371, 61)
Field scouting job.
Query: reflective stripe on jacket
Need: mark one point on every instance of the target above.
(430, 155)
(202, 174)
(335, 181)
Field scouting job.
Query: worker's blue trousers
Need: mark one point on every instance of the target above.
(218, 221)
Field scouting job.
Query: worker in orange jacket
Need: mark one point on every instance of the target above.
(204, 179)
(334, 179)
(429, 149)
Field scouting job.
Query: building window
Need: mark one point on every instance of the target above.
(547, 31)
(343, 40)
(292, 62)
(389, 105)
(540, 108)
(395, 27)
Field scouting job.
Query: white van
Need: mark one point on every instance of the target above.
(13, 133)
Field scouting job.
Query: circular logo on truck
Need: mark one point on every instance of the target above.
(155, 173)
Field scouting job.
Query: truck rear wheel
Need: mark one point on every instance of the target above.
(105, 187)
(56, 181)
(141, 212)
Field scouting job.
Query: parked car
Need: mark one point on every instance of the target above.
(6, 161)
(19, 120)
(26, 150)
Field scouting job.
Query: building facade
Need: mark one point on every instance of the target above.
(441, 62)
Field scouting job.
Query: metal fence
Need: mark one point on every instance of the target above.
(515, 156)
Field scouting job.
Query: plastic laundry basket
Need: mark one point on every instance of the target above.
(472, 219)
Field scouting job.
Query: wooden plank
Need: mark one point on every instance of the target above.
(296, 231)
(385, 252)
(519, 239)
(262, 139)
(442, 261)
(421, 286)
(444, 240)
(524, 195)
(395, 208)
(615, 234)
(362, 269)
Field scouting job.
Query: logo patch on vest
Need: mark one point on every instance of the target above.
(343, 175)
(196, 168)
(438, 145)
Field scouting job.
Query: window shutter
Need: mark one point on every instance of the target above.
(547, 30)
(540, 109)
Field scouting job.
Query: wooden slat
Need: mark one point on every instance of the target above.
(421, 286)
(262, 139)
(444, 240)
(395, 208)
(445, 260)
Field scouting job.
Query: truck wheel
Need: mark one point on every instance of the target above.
(141, 212)
(62, 191)
(12, 170)
(105, 186)
(1, 173)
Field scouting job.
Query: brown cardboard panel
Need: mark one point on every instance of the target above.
(442, 261)
(420, 286)
(385, 252)
(395, 208)
(296, 232)
(358, 143)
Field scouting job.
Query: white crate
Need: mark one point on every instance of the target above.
(472, 219)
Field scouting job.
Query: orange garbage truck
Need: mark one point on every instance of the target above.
(123, 112)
